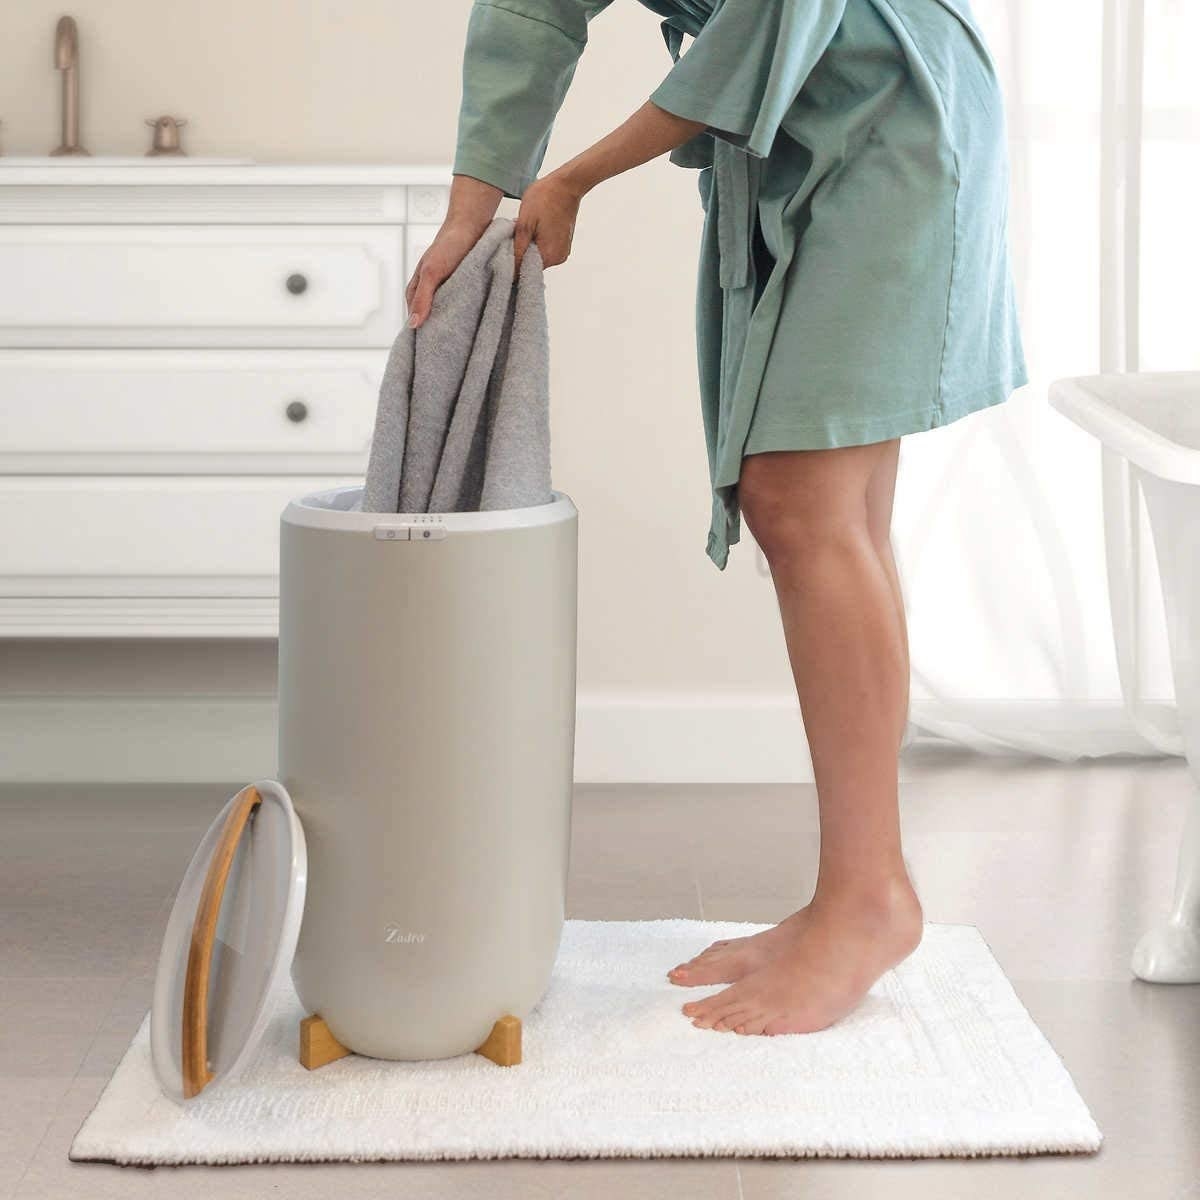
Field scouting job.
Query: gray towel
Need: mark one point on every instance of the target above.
(463, 422)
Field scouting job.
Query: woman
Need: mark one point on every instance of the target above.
(854, 286)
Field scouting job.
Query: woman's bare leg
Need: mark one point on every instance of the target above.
(726, 961)
(822, 518)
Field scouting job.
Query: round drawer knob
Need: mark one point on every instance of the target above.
(296, 284)
(297, 411)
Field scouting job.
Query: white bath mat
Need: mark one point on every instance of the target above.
(941, 1058)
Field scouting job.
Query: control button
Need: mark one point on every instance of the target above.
(428, 533)
(391, 533)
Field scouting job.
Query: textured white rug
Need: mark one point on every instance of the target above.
(940, 1059)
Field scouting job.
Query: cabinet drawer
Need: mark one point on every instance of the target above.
(253, 411)
(178, 285)
(206, 535)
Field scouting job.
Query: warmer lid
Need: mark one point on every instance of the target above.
(229, 940)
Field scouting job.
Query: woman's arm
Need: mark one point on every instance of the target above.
(518, 62)
(550, 204)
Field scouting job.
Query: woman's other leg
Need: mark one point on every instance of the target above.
(728, 960)
(822, 518)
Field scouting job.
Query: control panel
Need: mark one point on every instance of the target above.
(417, 528)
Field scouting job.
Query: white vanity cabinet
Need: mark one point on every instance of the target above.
(184, 348)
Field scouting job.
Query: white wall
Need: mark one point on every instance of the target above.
(378, 81)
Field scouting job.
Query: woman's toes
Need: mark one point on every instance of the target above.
(699, 976)
(731, 1020)
(722, 962)
(709, 1020)
(685, 968)
(708, 968)
(754, 1024)
(712, 1008)
(718, 1002)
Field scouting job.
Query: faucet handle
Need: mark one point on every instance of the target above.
(166, 135)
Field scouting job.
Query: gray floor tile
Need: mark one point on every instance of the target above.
(105, 807)
(100, 933)
(129, 1005)
(67, 1005)
(27, 1109)
(594, 902)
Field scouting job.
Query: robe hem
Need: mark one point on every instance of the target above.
(928, 416)
(824, 436)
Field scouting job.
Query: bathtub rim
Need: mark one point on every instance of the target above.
(1081, 398)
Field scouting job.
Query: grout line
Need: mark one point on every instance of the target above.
(737, 1170)
(38, 1144)
(699, 897)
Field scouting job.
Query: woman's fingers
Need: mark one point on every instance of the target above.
(554, 247)
(427, 281)
(547, 217)
(437, 264)
(523, 234)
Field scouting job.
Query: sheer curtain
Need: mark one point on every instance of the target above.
(999, 530)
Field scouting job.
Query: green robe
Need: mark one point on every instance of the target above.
(854, 279)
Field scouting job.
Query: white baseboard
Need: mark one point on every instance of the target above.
(688, 737)
(148, 739)
(620, 737)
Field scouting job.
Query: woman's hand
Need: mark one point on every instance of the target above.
(473, 204)
(438, 263)
(549, 207)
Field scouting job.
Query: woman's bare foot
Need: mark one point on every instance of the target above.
(728, 960)
(824, 972)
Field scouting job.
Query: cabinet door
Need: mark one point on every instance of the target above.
(182, 285)
(201, 535)
(267, 412)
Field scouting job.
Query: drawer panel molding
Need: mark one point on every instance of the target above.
(196, 286)
(202, 535)
(197, 411)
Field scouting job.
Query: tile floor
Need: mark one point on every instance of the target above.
(1059, 865)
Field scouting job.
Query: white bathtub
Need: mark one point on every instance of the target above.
(1149, 427)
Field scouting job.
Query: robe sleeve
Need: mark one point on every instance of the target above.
(519, 59)
(746, 66)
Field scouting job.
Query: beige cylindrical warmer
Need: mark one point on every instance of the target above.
(426, 737)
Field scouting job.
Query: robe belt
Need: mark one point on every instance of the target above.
(735, 186)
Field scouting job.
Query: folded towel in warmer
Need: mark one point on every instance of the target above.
(463, 422)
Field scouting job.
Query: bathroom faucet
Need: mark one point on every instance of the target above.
(66, 60)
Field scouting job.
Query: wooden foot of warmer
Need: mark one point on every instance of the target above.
(318, 1046)
(503, 1044)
